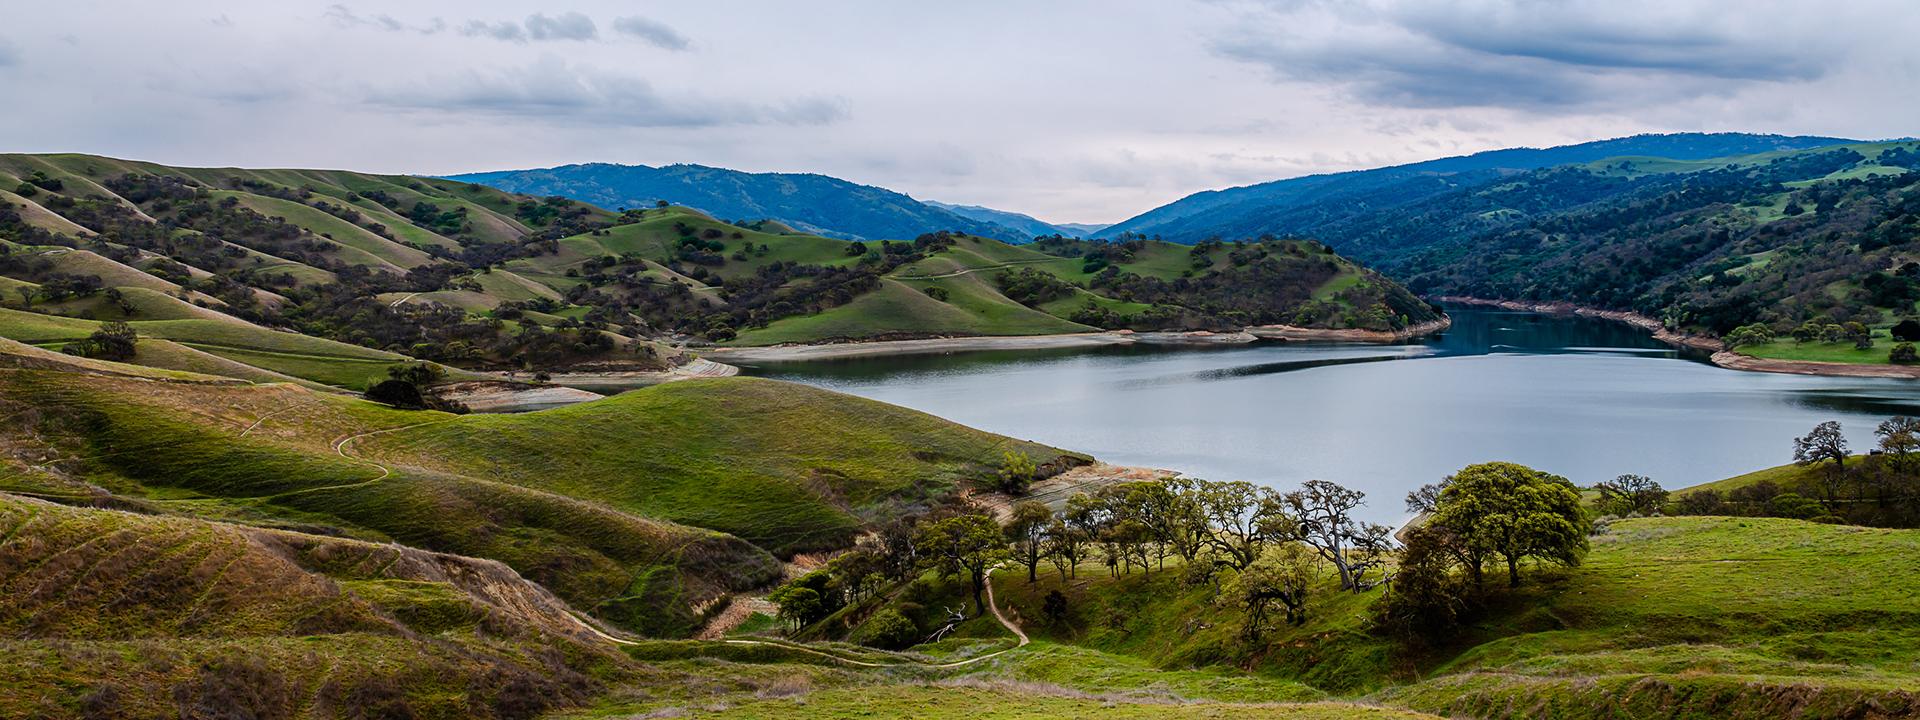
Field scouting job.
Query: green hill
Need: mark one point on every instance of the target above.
(638, 527)
(472, 277)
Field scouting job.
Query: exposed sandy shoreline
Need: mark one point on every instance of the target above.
(1290, 332)
(789, 353)
(877, 348)
(1721, 356)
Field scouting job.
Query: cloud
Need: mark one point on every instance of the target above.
(1554, 56)
(653, 32)
(344, 17)
(554, 91)
(7, 54)
(569, 26)
(537, 28)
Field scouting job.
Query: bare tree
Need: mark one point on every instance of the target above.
(1323, 519)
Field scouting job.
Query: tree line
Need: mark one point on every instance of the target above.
(1266, 552)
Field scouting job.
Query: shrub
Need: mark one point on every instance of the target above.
(888, 629)
(1903, 353)
(1795, 506)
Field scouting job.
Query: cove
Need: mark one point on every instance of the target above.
(1585, 398)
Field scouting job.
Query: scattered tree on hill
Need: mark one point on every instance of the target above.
(1899, 440)
(1426, 600)
(962, 546)
(1017, 471)
(1027, 534)
(113, 341)
(1242, 520)
(799, 604)
(1283, 575)
(1753, 334)
(1510, 511)
(405, 386)
(1323, 519)
(1824, 442)
(1630, 495)
(1066, 546)
(1903, 353)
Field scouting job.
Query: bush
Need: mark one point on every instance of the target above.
(1907, 330)
(937, 293)
(1903, 353)
(888, 629)
(1795, 506)
(398, 393)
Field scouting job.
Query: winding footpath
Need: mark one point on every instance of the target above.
(798, 647)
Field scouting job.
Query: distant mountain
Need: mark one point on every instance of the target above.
(1032, 226)
(1300, 206)
(1083, 229)
(810, 203)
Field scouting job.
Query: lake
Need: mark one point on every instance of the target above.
(1585, 398)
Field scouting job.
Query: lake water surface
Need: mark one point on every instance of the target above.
(1584, 398)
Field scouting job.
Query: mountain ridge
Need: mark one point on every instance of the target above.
(809, 202)
(1250, 210)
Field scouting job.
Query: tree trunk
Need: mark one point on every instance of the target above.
(979, 585)
(1513, 571)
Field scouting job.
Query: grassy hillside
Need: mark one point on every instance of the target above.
(114, 614)
(637, 526)
(789, 467)
(1688, 617)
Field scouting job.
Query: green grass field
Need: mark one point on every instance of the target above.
(786, 466)
(1842, 352)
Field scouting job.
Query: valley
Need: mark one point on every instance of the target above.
(482, 454)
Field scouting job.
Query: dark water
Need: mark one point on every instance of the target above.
(1587, 399)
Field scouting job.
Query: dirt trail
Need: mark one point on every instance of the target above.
(992, 604)
(957, 273)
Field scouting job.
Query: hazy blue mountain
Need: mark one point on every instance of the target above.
(1032, 226)
(809, 203)
(1083, 229)
(1302, 205)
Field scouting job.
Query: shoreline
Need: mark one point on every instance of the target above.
(934, 346)
(1720, 356)
(1295, 333)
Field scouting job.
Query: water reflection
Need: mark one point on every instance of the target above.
(1585, 398)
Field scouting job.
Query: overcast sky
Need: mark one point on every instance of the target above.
(1070, 111)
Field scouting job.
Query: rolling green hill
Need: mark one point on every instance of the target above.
(391, 268)
(637, 527)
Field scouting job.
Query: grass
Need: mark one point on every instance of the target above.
(899, 309)
(1703, 617)
(234, 340)
(964, 700)
(788, 467)
(114, 614)
(180, 449)
(1844, 352)
(345, 234)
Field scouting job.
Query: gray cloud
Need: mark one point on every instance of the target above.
(538, 28)
(656, 33)
(1540, 57)
(344, 17)
(556, 91)
(7, 54)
